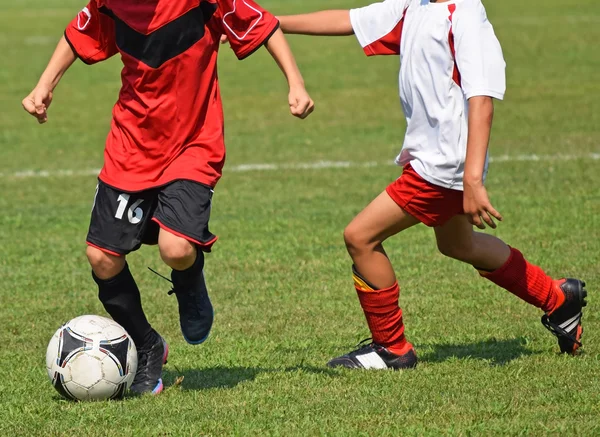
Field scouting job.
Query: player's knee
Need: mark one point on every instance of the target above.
(460, 252)
(104, 265)
(355, 239)
(177, 253)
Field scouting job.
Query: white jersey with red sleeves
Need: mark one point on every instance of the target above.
(448, 54)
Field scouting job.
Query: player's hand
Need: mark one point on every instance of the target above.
(477, 206)
(224, 39)
(301, 105)
(38, 102)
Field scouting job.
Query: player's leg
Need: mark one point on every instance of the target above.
(183, 213)
(364, 238)
(376, 286)
(118, 220)
(562, 300)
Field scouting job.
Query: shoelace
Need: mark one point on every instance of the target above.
(366, 343)
(557, 330)
(142, 362)
(172, 290)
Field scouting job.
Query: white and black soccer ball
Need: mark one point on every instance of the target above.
(91, 358)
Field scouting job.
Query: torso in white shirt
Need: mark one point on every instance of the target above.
(448, 54)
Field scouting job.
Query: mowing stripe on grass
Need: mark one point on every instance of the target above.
(319, 165)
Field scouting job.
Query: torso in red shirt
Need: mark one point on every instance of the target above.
(168, 121)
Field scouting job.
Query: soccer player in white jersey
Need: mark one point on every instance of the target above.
(451, 69)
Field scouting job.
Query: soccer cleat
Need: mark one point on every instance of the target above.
(374, 356)
(148, 378)
(565, 321)
(196, 313)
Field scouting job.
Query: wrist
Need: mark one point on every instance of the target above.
(473, 179)
(49, 81)
(296, 83)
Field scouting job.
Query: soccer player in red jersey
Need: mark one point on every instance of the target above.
(451, 69)
(165, 150)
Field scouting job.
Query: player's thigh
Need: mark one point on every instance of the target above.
(381, 219)
(119, 219)
(183, 212)
(455, 238)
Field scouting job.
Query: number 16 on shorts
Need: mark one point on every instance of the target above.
(134, 213)
(119, 220)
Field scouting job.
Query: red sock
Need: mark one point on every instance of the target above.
(384, 317)
(526, 281)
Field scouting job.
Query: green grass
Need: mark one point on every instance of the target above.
(279, 276)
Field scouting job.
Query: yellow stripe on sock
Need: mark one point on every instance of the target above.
(361, 284)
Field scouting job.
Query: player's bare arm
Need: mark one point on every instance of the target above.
(301, 105)
(477, 205)
(39, 100)
(324, 23)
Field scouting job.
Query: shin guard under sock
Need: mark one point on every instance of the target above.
(121, 299)
(383, 315)
(526, 281)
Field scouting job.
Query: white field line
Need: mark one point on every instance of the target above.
(319, 165)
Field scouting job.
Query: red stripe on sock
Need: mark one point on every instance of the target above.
(526, 281)
(384, 317)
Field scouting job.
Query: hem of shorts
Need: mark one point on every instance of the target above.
(437, 182)
(206, 246)
(104, 249)
(405, 205)
(154, 186)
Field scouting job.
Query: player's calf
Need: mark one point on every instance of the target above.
(195, 308)
(121, 299)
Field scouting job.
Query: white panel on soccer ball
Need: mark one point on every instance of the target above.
(86, 368)
(77, 391)
(65, 372)
(52, 354)
(113, 332)
(103, 389)
(89, 326)
(132, 364)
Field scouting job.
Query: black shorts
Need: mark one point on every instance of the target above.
(122, 221)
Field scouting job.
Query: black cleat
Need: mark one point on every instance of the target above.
(196, 313)
(565, 321)
(374, 356)
(148, 378)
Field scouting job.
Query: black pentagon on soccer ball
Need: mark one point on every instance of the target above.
(117, 351)
(69, 344)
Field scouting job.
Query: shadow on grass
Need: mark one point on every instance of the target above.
(497, 352)
(228, 377)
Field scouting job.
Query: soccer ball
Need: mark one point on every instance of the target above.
(91, 358)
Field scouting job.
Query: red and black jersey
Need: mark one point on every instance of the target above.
(168, 121)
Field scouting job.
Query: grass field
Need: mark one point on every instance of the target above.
(279, 276)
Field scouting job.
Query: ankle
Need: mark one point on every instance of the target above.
(400, 348)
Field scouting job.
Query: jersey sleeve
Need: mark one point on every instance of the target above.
(91, 35)
(378, 27)
(247, 25)
(478, 54)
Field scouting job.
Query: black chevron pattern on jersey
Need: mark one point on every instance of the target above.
(168, 41)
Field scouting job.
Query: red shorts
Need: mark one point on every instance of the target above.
(430, 204)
